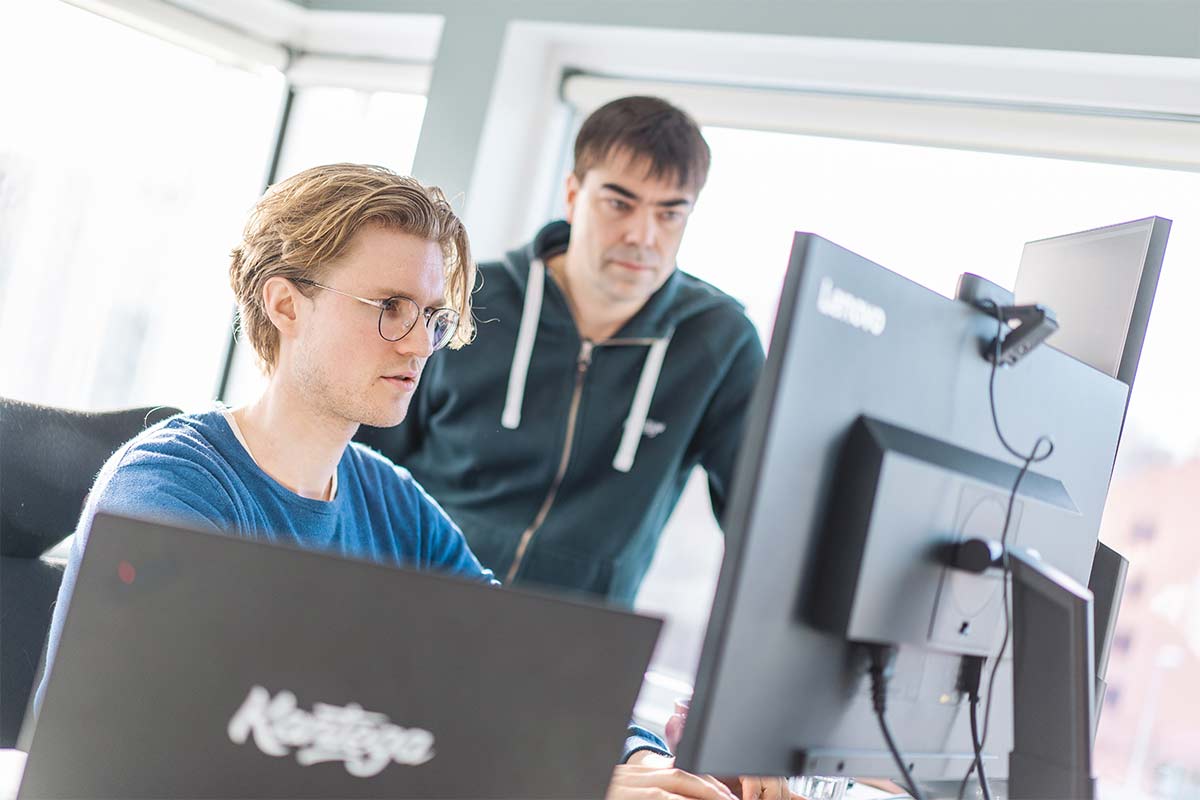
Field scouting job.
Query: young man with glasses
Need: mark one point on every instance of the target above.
(348, 278)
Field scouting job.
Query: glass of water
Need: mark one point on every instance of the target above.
(818, 787)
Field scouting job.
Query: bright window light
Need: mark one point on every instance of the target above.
(127, 165)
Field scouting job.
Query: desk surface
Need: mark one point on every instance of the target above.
(12, 764)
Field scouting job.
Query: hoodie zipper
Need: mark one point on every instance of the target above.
(581, 367)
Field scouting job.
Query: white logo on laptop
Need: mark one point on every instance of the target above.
(364, 740)
(854, 311)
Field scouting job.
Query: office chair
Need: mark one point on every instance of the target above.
(49, 458)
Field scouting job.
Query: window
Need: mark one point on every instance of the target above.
(1176, 783)
(330, 125)
(126, 167)
(1143, 531)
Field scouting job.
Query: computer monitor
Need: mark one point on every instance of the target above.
(869, 448)
(1101, 285)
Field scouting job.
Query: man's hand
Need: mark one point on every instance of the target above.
(745, 788)
(769, 788)
(649, 776)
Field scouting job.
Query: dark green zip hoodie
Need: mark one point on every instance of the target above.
(560, 458)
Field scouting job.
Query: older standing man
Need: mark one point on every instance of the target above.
(560, 441)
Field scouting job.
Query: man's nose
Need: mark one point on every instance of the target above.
(417, 342)
(643, 229)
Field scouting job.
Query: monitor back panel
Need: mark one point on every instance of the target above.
(853, 338)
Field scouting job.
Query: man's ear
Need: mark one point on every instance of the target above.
(572, 195)
(282, 301)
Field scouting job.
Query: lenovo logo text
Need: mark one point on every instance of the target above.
(365, 741)
(845, 307)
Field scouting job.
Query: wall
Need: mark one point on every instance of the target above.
(494, 122)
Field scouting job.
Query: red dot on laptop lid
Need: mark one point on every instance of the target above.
(126, 572)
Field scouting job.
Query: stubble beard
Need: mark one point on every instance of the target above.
(620, 290)
(336, 401)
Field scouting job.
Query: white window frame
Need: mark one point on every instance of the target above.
(366, 51)
(1140, 137)
(1137, 110)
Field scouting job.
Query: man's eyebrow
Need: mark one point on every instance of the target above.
(387, 294)
(621, 190)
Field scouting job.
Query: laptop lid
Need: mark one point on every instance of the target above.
(199, 665)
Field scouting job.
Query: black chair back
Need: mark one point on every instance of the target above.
(49, 458)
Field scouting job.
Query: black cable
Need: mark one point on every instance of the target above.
(969, 680)
(882, 657)
(909, 783)
(1034, 457)
(978, 762)
(1007, 570)
(978, 743)
(966, 779)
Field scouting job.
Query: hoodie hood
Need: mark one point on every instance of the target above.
(681, 297)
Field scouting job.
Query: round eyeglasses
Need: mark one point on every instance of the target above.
(398, 315)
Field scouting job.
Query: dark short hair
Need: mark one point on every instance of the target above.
(647, 128)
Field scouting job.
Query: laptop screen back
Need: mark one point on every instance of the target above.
(201, 665)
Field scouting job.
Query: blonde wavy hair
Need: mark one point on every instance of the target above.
(308, 220)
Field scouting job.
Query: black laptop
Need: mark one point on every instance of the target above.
(200, 665)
